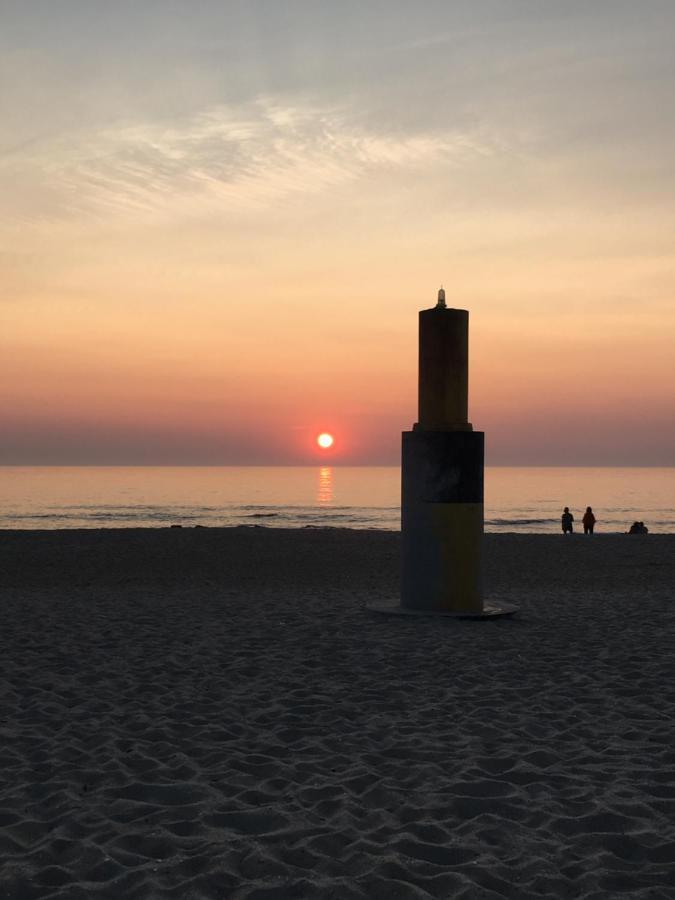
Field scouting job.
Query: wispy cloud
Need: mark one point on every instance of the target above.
(221, 159)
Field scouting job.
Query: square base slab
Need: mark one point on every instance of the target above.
(489, 611)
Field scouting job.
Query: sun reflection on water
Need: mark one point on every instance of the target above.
(324, 490)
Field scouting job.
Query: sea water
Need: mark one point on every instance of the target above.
(516, 499)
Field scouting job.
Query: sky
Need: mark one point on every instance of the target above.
(220, 219)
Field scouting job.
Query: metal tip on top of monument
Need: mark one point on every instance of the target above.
(441, 298)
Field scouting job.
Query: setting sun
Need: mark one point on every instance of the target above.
(325, 440)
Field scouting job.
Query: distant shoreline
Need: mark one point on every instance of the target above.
(304, 529)
(517, 500)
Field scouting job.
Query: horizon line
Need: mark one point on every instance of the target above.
(318, 464)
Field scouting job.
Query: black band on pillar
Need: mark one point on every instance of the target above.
(443, 466)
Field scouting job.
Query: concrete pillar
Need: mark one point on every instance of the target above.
(442, 479)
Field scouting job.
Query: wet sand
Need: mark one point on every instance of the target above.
(213, 713)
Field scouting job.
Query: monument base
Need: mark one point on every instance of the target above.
(490, 610)
(442, 520)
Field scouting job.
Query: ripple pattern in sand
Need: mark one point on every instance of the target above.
(215, 714)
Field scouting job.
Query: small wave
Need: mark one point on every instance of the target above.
(261, 506)
(163, 516)
(501, 522)
(128, 509)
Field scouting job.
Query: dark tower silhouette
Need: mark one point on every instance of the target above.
(442, 479)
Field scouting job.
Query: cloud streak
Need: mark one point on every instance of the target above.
(223, 159)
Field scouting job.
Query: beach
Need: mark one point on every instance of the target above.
(214, 713)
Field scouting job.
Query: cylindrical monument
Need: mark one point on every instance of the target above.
(442, 479)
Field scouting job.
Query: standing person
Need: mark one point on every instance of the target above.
(566, 520)
(588, 520)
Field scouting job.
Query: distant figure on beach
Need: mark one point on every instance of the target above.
(638, 528)
(588, 521)
(566, 519)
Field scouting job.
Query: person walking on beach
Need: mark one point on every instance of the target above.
(566, 520)
(588, 521)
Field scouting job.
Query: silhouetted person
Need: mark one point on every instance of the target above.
(638, 528)
(566, 520)
(588, 521)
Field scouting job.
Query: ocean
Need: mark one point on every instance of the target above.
(525, 500)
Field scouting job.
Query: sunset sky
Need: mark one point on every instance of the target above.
(219, 220)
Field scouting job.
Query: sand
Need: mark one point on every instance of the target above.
(202, 713)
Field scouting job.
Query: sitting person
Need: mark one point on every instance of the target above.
(638, 528)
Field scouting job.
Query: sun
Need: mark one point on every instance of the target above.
(325, 440)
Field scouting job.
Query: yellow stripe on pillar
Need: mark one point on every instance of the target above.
(457, 528)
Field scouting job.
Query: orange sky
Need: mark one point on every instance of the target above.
(212, 261)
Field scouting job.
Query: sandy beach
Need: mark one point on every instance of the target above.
(213, 713)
